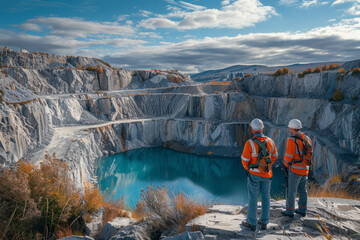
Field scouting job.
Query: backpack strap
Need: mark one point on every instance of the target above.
(262, 146)
(298, 148)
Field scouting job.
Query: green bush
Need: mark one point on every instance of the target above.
(338, 95)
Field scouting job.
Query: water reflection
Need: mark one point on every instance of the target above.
(205, 178)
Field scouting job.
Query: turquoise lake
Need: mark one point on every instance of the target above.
(205, 178)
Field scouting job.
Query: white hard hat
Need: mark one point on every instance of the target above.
(295, 124)
(257, 124)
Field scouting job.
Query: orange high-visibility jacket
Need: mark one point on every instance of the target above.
(292, 153)
(250, 155)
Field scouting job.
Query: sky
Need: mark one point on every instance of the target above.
(191, 36)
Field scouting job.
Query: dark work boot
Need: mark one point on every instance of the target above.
(247, 225)
(287, 214)
(298, 212)
(263, 226)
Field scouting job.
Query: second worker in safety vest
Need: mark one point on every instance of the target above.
(258, 155)
(297, 159)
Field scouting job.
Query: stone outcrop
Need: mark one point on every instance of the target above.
(222, 222)
(339, 215)
(111, 228)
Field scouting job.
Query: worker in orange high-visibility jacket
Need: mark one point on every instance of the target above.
(297, 169)
(258, 155)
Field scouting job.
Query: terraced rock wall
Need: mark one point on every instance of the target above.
(81, 125)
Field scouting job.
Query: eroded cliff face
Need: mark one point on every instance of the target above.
(166, 109)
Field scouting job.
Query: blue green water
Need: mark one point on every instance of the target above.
(215, 179)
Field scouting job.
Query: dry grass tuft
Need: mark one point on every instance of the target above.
(166, 211)
(341, 71)
(333, 188)
(338, 95)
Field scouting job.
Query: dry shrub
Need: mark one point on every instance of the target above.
(333, 66)
(248, 75)
(325, 67)
(331, 189)
(355, 71)
(338, 95)
(103, 62)
(341, 70)
(113, 209)
(62, 232)
(99, 69)
(166, 211)
(175, 79)
(5, 73)
(317, 70)
(336, 179)
(90, 68)
(286, 70)
(308, 71)
(93, 199)
(219, 83)
(38, 200)
(280, 71)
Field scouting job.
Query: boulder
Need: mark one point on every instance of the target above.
(77, 238)
(133, 232)
(93, 227)
(188, 236)
(111, 228)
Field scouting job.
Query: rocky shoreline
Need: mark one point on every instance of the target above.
(221, 222)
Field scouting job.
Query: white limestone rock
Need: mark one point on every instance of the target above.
(111, 228)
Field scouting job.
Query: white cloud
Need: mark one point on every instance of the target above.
(303, 3)
(332, 20)
(288, 2)
(225, 2)
(145, 13)
(237, 15)
(345, 1)
(150, 34)
(76, 27)
(122, 18)
(308, 3)
(191, 6)
(354, 9)
(337, 42)
(30, 27)
(60, 45)
(186, 5)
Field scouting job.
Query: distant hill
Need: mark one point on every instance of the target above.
(220, 74)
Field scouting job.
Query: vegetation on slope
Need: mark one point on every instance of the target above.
(42, 202)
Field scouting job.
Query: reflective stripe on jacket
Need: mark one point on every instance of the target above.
(250, 156)
(292, 153)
